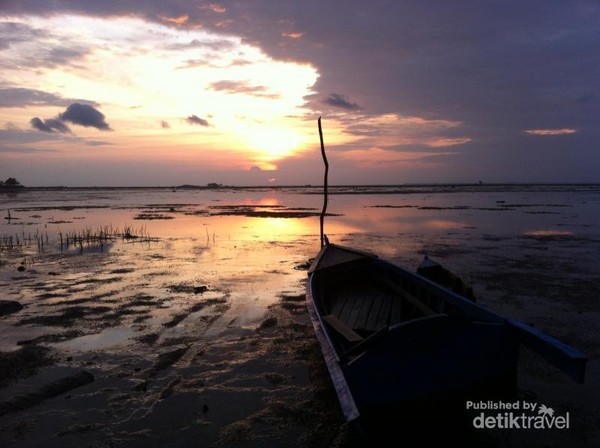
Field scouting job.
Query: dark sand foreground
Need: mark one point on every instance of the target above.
(168, 381)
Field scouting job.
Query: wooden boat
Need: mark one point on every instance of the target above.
(399, 346)
(394, 340)
(437, 273)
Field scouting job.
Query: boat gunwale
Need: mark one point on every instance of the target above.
(332, 358)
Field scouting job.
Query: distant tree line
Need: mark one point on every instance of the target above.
(11, 182)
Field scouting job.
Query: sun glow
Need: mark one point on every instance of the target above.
(191, 90)
(271, 143)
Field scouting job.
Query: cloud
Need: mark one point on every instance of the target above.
(208, 62)
(12, 136)
(85, 115)
(193, 63)
(242, 87)
(19, 97)
(176, 20)
(164, 124)
(197, 121)
(33, 47)
(24, 150)
(62, 56)
(22, 97)
(16, 32)
(215, 7)
(550, 131)
(97, 143)
(508, 72)
(445, 142)
(293, 35)
(341, 101)
(209, 43)
(50, 125)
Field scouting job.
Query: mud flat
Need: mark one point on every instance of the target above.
(99, 353)
(198, 333)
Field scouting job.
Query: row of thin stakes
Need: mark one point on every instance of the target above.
(75, 239)
(9, 243)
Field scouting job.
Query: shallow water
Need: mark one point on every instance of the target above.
(245, 243)
(199, 214)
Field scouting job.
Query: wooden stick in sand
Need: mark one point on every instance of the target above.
(324, 211)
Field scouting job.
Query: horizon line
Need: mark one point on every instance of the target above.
(225, 186)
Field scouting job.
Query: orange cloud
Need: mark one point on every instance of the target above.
(293, 35)
(441, 142)
(177, 20)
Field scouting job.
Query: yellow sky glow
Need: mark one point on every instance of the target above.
(148, 79)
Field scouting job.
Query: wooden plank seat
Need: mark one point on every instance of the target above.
(348, 333)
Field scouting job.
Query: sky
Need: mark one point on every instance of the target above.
(130, 93)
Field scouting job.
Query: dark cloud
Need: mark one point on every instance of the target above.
(341, 101)
(16, 32)
(56, 51)
(196, 120)
(62, 56)
(76, 113)
(85, 115)
(21, 97)
(49, 125)
(164, 124)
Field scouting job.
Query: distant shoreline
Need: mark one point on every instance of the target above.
(336, 189)
(245, 187)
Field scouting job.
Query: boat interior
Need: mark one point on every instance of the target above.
(357, 307)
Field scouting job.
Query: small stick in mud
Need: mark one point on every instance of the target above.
(324, 211)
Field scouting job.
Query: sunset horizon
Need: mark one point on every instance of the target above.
(230, 92)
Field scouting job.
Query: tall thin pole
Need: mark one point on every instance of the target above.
(324, 211)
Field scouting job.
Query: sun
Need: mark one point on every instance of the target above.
(271, 144)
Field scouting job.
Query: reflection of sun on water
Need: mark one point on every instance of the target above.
(444, 224)
(279, 228)
(549, 233)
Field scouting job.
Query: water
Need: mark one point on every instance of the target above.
(387, 212)
(246, 244)
(172, 318)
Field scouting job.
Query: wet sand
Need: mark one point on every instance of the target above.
(169, 367)
(184, 339)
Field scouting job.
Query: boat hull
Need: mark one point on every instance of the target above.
(433, 347)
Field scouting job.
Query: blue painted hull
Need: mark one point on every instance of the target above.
(444, 347)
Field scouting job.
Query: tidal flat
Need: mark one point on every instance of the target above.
(177, 317)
